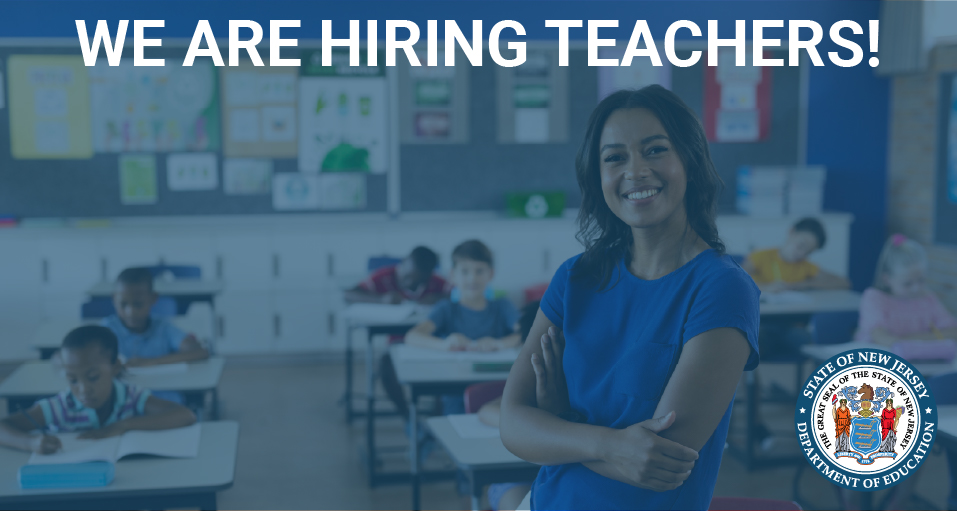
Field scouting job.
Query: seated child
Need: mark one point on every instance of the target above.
(507, 496)
(787, 267)
(900, 306)
(145, 339)
(411, 279)
(471, 320)
(98, 403)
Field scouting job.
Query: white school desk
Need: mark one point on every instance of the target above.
(432, 378)
(484, 460)
(139, 482)
(39, 379)
(817, 301)
(822, 352)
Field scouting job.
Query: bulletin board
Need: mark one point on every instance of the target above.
(945, 224)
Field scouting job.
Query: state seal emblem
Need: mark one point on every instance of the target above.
(865, 419)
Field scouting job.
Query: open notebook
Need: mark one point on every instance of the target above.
(171, 443)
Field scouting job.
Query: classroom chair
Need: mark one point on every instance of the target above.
(944, 388)
(382, 261)
(747, 504)
(102, 306)
(177, 271)
(481, 393)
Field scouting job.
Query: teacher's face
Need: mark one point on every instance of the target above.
(642, 176)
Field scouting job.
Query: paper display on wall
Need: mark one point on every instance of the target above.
(191, 171)
(172, 108)
(49, 107)
(137, 179)
(737, 105)
(294, 191)
(343, 125)
(259, 111)
(342, 191)
(640, 73)
(247, 176)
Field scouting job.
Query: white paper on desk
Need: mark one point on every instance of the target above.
(380, 312)
(170, 443)
(469, 426)
(415, 353)
(786, 297)
(179, 367)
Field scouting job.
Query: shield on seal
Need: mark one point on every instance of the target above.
(865, 434)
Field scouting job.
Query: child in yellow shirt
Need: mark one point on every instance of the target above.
(787, 267)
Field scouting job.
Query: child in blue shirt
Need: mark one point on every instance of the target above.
(471, 320)
(145, 339)
(98, 404)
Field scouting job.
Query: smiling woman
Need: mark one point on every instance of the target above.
(638, 326)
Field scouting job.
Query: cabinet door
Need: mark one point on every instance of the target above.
(121, 251)
(19, 318)
(191, 250)
(299, 261)
(70, 264)
(21, 271)
(245, 320)
(246, 261)
(300, 321)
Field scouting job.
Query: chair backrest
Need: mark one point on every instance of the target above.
(102, 306)
(178, 271)
(481, 393)
(381, 262)
(746, 504)
(834, 327)
(944, 387)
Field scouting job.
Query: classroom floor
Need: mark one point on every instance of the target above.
(296, 451)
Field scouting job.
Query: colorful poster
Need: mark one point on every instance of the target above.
(343, 125)
(170, 108)
(49, 107)
(247, 176)
(952, 145)
(294, 191)
(191, 171)
(639, 74)
(259, 111)
(342, 191)
(137, 179)
(737, 99)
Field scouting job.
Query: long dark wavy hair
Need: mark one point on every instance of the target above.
(606, 238)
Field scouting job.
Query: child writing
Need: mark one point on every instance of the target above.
(145, 339)
(97, 403)
(787, 267)
(411, 279)
(900, 306)
(471, 320)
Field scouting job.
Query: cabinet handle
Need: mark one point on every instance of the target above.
(219, 267)
(45, 270)
(332, 323)
(277, 325)
(220, 326)
(275, 266)
(546, 260)
(103, 269)
(330, 265)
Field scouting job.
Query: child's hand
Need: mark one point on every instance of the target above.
(457, 342)
(485, 344)
(551, 391)
(105, 432)
(45, 444)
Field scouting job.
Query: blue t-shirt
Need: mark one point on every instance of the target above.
(161, 337)
(496, 320)
(621, 346)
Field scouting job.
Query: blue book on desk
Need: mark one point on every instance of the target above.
(65, 475)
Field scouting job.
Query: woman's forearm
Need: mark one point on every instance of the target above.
(542, 438)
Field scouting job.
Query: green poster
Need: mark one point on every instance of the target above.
(138, 179)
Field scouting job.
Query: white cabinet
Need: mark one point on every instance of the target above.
(191, 250)
(246, 261)
(246, 322)
(122, 250)
(69, 264)
(301, 321)
(299, 261)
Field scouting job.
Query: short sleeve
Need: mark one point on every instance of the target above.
(441, 315)
(871, 315)
(727, 300)
(553, 301)
(811, 270)
(141, 395)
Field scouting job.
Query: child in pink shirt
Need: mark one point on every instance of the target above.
(900, 306)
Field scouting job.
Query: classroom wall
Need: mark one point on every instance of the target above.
(912, 167)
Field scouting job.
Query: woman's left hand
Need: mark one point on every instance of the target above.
(551, 390)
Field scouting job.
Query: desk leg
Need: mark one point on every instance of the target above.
(476, 492)
(370, 411)
(751, 418)
(414, 449)
(214, 405)
(347, 397)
